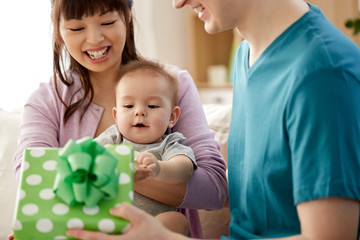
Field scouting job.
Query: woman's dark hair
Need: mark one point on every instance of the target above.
(76, 9)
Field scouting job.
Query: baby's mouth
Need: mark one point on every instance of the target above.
(97, 54)
(139, 125)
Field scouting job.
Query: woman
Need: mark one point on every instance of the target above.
(95, 38)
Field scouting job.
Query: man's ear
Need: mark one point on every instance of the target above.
(175, 114)
(114, 113)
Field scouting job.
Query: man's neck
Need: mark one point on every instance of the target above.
(269, 19)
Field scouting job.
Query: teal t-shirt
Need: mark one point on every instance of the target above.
(295, 127)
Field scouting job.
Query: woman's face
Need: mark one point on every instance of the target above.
(96, 42)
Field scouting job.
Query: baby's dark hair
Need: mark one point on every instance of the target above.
(152, 66)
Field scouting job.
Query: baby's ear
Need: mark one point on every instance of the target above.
(114, 111)
(175, 114)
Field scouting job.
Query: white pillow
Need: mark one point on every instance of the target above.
(9, 131)
(218, 117)
(216, 223)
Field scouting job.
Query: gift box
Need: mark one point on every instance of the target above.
(57, 193)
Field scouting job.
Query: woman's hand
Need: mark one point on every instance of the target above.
(142, 226)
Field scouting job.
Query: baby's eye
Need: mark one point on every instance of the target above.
(76, 29)
(152, 106)
(129, 106)
(108, 23)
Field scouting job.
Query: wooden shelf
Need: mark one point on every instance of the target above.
(206, 49)
(202, 85)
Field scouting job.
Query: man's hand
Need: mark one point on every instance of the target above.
(142, 226)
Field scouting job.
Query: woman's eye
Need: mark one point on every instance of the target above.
(152, 106)
(109, 23)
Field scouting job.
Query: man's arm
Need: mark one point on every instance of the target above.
(328, 218)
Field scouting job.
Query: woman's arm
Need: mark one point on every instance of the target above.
(39, 127)
(42, 124)
(207, 188)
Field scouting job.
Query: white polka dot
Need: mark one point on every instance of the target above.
(131, 166)
(17, 225)
(60, 238)
(25, 165)
(90, 210)
(50, 165)
(47, 194)
(75, 223)
(106, 225)
(44, 225)
(60, 209)
(37, 152)
(131, 195)
(124, 178)
(136, 153)
(34, 179)
(30, 209)
(122, 150)
(22, 194)
(126, 228)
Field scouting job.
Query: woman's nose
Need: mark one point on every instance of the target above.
(95, 35)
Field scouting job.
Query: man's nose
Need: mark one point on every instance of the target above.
(178, 3)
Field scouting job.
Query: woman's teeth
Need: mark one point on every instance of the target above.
(97, 54)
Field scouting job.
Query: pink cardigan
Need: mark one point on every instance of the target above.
(43, 126)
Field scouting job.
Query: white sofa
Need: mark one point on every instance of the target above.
(215, 223)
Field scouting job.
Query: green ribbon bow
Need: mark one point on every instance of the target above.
(86, 173)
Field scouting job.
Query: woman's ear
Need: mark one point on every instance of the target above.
(175, 114)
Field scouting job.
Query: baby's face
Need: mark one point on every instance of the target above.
(143, 106)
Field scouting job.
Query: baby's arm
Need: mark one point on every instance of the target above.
(177, 169)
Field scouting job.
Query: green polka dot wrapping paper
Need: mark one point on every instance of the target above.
(40, 214)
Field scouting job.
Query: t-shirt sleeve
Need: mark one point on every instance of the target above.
(173, 147)
(110, 136)
(323, 123)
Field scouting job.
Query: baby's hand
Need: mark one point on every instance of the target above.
(141, 174)
(148, 161)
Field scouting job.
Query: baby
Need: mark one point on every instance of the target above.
(146, 106)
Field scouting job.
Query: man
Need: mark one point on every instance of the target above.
(293, 150)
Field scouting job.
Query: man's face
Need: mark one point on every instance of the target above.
(217, 15)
